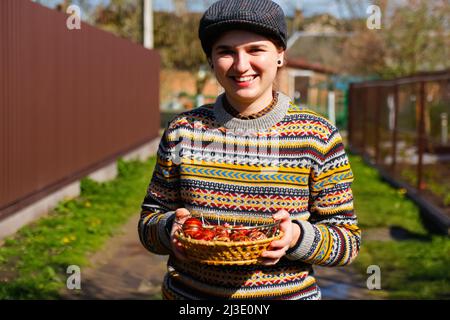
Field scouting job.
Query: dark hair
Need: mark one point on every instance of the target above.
(278, 44)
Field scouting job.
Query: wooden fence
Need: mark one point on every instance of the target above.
(401, 126)
(71, 101)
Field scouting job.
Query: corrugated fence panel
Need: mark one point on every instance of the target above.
(70, 100)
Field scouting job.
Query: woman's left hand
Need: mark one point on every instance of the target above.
(278, 248)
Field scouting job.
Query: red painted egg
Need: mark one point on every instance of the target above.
(193, 233)
(192, 223)
(208, 234)
(238, 236)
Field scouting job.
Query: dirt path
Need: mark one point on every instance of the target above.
(125, 270)
(341, 283)
(122, 270)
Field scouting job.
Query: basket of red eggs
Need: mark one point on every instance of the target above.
(226, 244)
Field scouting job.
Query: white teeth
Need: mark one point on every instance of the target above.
(244, 79)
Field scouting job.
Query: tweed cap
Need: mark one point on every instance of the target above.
(264, 17)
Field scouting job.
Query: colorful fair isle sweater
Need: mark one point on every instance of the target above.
(239, 171)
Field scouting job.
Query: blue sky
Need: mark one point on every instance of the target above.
(309, 7)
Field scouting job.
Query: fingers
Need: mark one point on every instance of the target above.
(278, 248)
(178, 250)
(274, 254)
(282, 215)
(269, 258)
(278, 244)
(269, 262)
(182, 214)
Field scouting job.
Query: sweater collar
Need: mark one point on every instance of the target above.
(263, 122)
(231, 110)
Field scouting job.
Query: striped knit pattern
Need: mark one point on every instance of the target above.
(297, 164)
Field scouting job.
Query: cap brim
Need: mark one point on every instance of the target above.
(212, 32)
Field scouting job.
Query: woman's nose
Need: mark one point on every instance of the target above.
(241, 62)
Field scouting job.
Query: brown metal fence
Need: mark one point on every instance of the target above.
(71, 101)
(401, 126)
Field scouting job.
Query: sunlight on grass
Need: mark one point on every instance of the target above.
(33, 262)
(415, 267)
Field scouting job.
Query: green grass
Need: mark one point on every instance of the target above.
(414, 267)
(380, 205)
(433, 180)
(33, 263)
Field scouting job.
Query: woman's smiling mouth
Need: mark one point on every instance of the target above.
(244, 81)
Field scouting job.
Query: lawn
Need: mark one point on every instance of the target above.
(33, 263)
(415, 263)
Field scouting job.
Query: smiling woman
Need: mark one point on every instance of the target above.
(251, 156)
(246, 64)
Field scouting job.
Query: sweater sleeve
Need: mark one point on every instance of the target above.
(161, 200)
(331, 237)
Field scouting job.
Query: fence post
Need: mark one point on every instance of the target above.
(377, 125)
(444, 128)
(394, 132)
(364, 120)
(332, 107)
(421, 136)
(350, 115)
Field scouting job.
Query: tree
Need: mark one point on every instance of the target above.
(414, 37)
(364, 54)
(418, 38)
(121, 17)
(177, 40)
(175, 35)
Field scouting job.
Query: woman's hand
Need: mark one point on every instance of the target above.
(181, 215)
(278, 248)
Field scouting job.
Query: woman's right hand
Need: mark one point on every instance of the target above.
(181, 215)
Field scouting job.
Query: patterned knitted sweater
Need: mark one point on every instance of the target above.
(237, 170)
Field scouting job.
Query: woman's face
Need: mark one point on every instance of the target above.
(245, 64)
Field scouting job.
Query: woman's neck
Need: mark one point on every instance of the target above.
(252, 107)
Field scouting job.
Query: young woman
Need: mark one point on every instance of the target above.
(252, 154)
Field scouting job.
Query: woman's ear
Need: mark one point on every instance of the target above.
(281, 58)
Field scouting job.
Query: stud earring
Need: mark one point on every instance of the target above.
(279, 62)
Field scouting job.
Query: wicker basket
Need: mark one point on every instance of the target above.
(216, 252)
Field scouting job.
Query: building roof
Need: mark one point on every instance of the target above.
(316, 51)
(300, 63)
